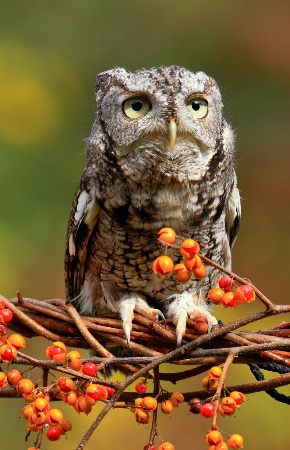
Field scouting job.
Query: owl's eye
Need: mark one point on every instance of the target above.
(136, 107)
(197, 107)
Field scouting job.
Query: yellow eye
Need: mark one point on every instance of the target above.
(197, 107)
(136, 107)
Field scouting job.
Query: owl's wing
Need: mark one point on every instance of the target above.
(233, 214)
(83, 219)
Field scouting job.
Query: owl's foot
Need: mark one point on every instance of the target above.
(183, 306)
(131, 302)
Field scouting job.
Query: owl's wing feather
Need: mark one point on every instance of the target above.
(233, 214)
(83, 219)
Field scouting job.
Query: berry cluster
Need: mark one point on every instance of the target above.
(225, 296)
(190, 265)
(215, 441)
(82, 395)
(144, 406)
(226, 407)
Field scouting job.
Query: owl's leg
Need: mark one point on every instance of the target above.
(184, 305)
(131, 302)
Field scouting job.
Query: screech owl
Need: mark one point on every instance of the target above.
(160, 154)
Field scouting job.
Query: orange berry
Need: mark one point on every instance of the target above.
(24, 386)
(182, 274)
(176, 398)
(149, 403)
(189, 248)
(229, 300)
(221, 446)
(40, 405)
(166, 407)
(64, 426)
(82, 405)
(142, 416)
(200, 272)
(215, 295)
(70, 398)
(200, 325)
(73, 360)
(167, 235)
(238, 397)
(209, 384)
(236, 441)
(214, 437)
(139, 402)
(163, 266)
(166, 446)
(215, 372)
(227, 406)
(192, 263)
(27, 411)
(54, 416)
(3, 381)
(17, 340)
(37, 419)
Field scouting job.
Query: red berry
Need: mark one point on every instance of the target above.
(53, 434)
(226, 283)
(207, 409)
(111, 391)
(149, 447)
(65, 384)
(245, 293)
(141, 387)
(13, 376)
(6, 315)
(90, 369)
(3, 330)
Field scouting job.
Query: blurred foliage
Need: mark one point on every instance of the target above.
(50, 53)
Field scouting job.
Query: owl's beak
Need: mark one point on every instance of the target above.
(172, 130)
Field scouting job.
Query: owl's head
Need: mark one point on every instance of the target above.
(168, 113)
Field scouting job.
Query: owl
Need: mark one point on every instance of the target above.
(160, 154)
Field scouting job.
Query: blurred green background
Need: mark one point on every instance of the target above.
(50, 53)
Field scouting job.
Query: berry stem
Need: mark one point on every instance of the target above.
(153, 432)
(220, 386)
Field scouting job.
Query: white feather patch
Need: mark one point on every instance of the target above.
(71, 245)
(81, 206)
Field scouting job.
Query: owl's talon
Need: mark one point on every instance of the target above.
(160, 314)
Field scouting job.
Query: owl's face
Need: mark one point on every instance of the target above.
(167, 117)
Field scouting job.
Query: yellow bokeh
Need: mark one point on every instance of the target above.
(29, 111)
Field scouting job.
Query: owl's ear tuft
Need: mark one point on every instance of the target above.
(105, 80)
